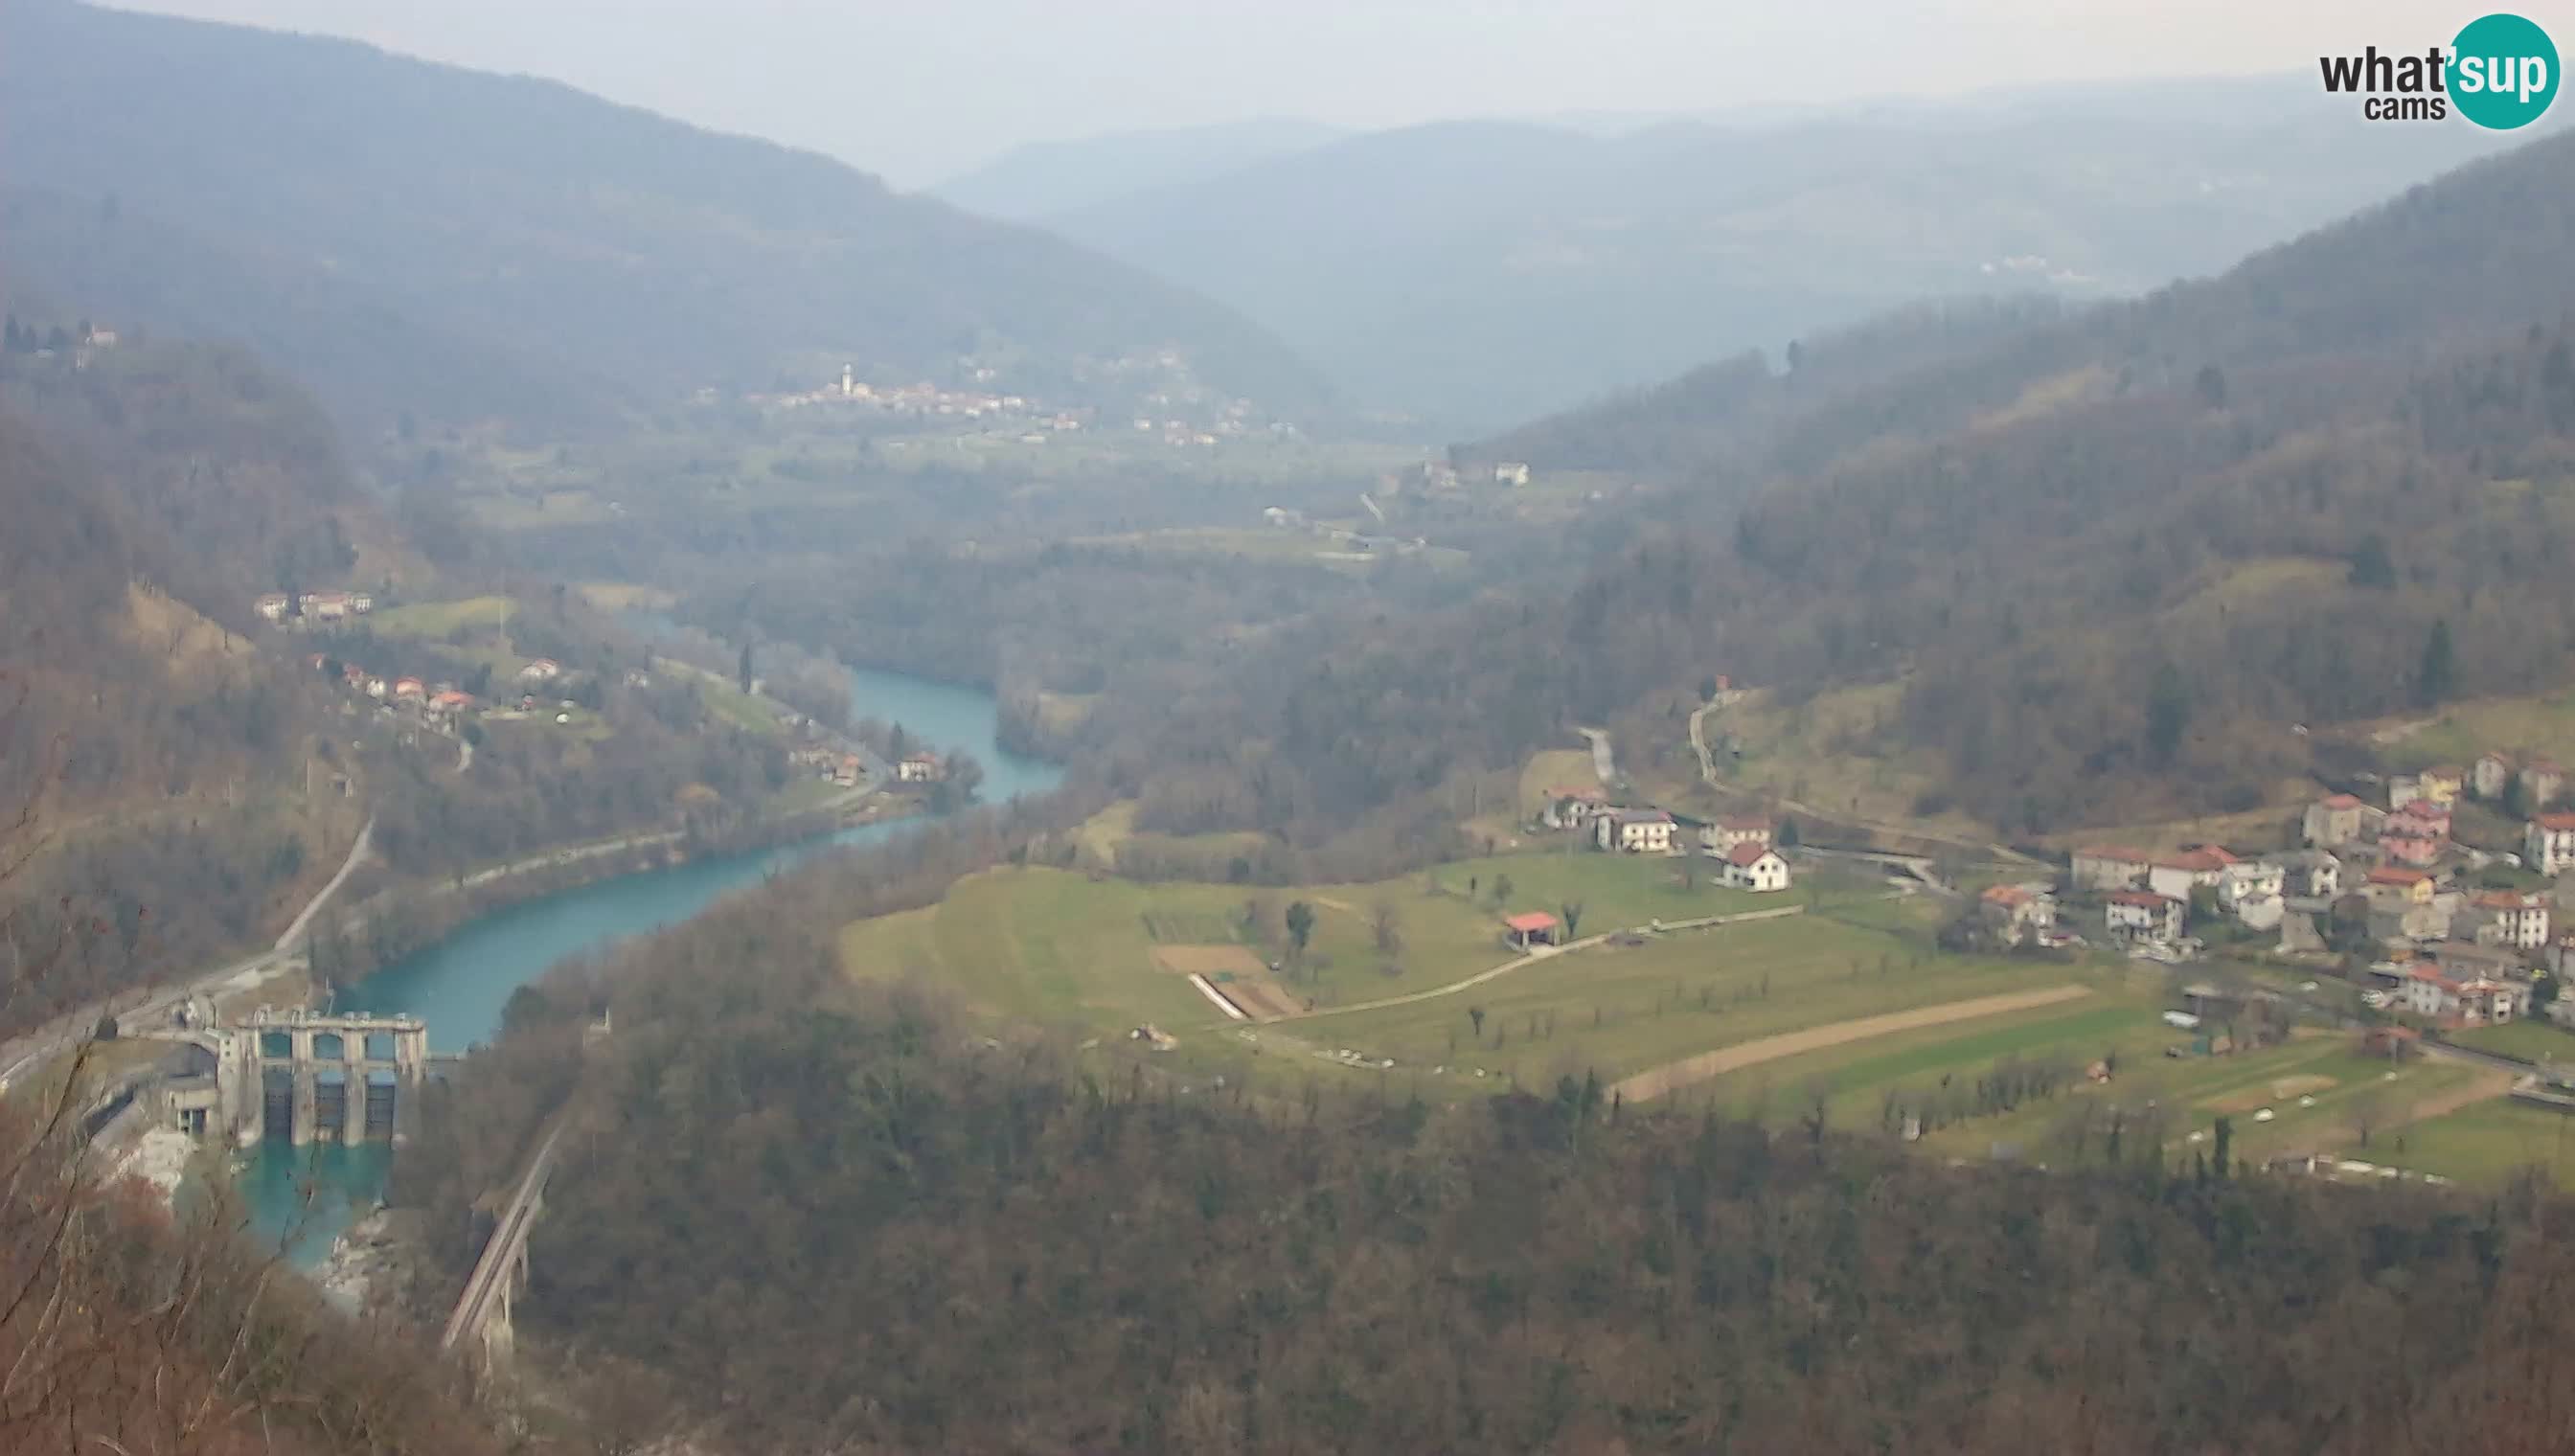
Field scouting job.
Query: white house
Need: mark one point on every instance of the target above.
(919, 768)
(542, 670)
(1636, 832)
(2490, 774)
(1756, 867)
(1512, 472)
(2176, 875)
(2310, 873)
(2493, 1003)
(2506, 918)
(271, 606)
(2431, 995)
(2337, 819)
(2548, 844)
(2022, 912)
(1733, 829)
(2110, 867)
(2260, 911)
(2142, 913)
(2251, 880)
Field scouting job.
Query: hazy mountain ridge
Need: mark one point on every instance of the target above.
(2112, 556)
(1029, 182)
(598, 240)
(1484, 271)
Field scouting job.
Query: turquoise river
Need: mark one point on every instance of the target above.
(460, 984)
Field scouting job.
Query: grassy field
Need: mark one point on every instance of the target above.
(2542, 725)
(1065, 949)
(439, 618)
(723, 698)
(2529, 1040)
(1836, 752)
(1620, 1010)
(1614, 891)
(2485, 1143)
(1550, 769)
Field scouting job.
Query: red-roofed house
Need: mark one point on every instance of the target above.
(1534, 928)
(2396, 888)
(2176, 875)
(2423, 815)
(410, 688)
(2548, 844)
(2431, 995)
(2021, 910)
(2336, 818)
(2110, 867)
(1756, 867)
(2416, 833)
(920, 768)
(2143, 913)
(2483, 1001)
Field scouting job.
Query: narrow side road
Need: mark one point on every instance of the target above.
(64, 1031)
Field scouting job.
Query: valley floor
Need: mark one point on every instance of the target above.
(1826, 1003)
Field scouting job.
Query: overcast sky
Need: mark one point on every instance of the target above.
(921, 89)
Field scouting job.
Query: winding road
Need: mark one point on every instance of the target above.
(68, 1029)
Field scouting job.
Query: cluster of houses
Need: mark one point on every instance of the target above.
(280, 608)
(2460, 949)
(1439, 474)
(440, 706)
(1743, 846)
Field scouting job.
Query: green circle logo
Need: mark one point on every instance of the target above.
(2503, 72)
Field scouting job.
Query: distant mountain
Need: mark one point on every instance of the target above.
(1485, 272)
(1030, 182)
(585, 240)
(2061, 565)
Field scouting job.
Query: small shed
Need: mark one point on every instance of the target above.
(1533, 929)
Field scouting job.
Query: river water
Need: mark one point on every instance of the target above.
(460, 984)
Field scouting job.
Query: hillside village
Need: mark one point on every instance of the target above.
(1744, 848)
(2451, 934)
(2441, 932)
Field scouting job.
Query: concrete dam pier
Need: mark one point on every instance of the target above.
(300, 1077)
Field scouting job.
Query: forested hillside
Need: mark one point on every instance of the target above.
(862, 1227)
(582, 238)
(180, 773)
(2111, 557)
(1482, 272)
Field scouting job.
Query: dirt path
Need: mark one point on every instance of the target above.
(1717, 1063)
(2004, 853)
(1546, 952)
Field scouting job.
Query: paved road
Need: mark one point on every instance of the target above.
(66, 1030)
(348, 866)
(1602, 763)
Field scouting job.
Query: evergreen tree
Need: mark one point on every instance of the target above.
(2433, 683)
